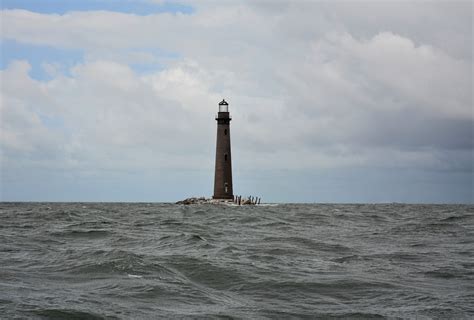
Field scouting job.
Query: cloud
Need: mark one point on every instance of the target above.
(108, 114)
(310, 86)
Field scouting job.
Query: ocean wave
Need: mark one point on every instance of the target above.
(147, 261)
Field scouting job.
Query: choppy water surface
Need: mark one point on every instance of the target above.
(145, 261)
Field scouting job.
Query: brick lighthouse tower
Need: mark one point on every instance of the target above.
(223, 172)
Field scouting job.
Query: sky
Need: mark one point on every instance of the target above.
(332, 101)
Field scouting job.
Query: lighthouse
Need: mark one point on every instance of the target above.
(223, 169)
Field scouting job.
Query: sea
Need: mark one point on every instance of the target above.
(215, 261)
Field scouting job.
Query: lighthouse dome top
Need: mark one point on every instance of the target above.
(223, 106)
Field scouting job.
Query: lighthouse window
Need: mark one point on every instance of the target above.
(225, 132)
(225, 157)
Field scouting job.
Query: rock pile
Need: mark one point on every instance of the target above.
(194, 200)
(237, 200)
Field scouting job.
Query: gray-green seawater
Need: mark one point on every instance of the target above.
(149, 261)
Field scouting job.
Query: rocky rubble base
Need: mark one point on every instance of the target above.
(203, 200)
(196, 200)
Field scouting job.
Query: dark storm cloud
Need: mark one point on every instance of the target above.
(415, 130)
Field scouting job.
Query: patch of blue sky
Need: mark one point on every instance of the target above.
(52, 122)
(139, 7)
(61, 60)
(37, 56)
